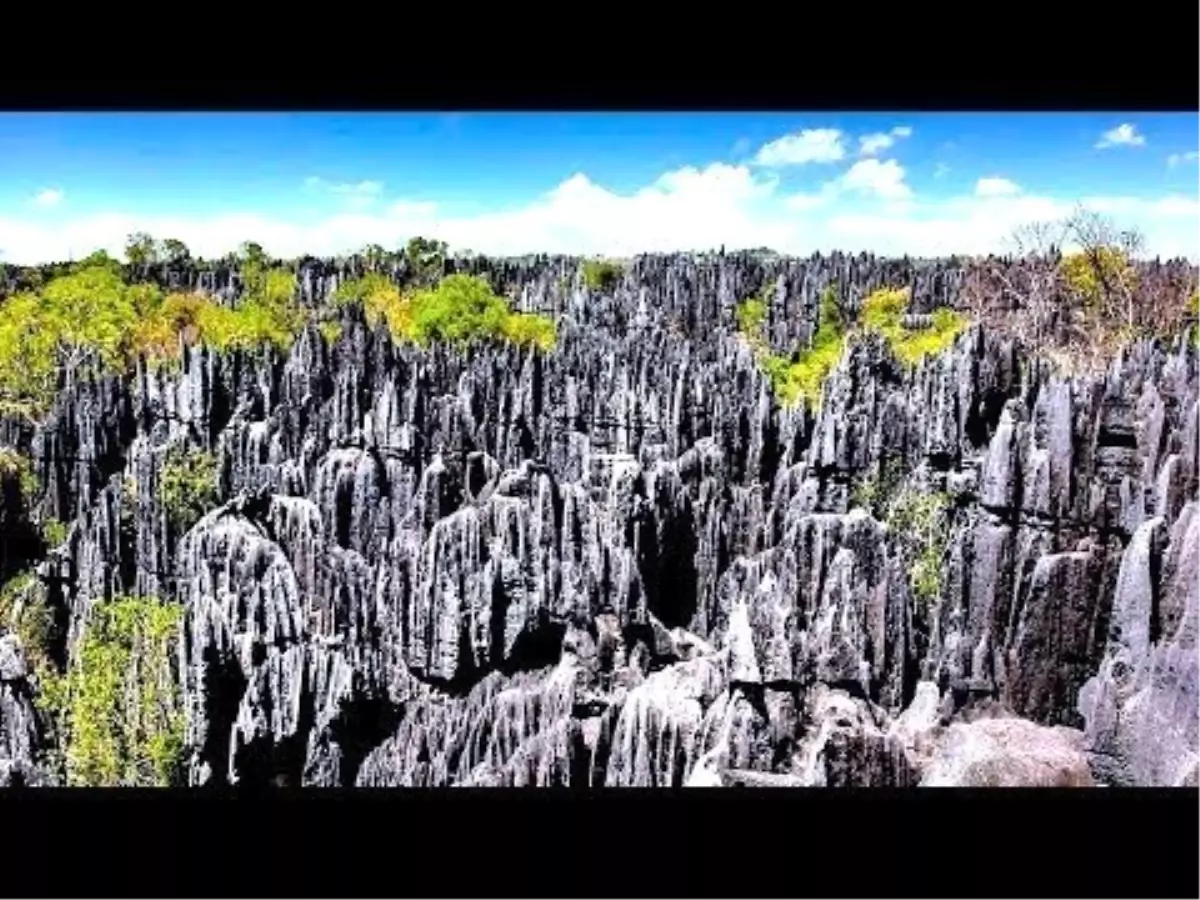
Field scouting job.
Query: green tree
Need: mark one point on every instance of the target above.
(252, 266)
(426, 260)
(188, 486)
(121, 717)
(89, 314)
(251, 253)
(374, 256)
(601, 274)
(28, 374)
(98, 259)
(141, 250)
(175, 251)
(461, 309)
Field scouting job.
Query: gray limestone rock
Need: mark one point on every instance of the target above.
(624, 562)
(1006, 752)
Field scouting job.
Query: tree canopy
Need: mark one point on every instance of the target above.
(90, 315)
(461, 309)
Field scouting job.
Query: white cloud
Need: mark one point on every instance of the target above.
(815, 145)
(869, 209)
(996, 187)
(358, 195)
(884, 180)
(1125, 135)
(805, 202)
(1176, 159)
(872, 144)
(49, 197)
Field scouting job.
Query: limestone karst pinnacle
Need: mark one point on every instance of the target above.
(625, 563)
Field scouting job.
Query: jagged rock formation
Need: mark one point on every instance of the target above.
(20, 731)
(624, 564)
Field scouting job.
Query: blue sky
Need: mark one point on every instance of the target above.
(589, 183)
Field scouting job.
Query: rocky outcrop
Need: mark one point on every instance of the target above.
(624, 564)
(1141, 706)
(1008, 753)
(21, 735)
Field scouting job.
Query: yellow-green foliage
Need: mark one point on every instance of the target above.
(529, 329)
(751, 317)
(883, 312)
(188, 486)
(253, 324)
(54, 532)
(25, 612)
(278, 299)
(330, 331)
(141, 249)
(381, 301)
(1093, 276)
(121, 719)
(601, 274)
(803, 377)
(92, 313)
(87, 311)
(460, 310)
(27, 357)
(920, 522)
(99, 259)
(17, 465)
(267, 314)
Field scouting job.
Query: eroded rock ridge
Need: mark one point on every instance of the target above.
(624, 563)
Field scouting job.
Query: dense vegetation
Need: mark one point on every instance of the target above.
(101, 315)
(919, 523)
(187, 486)
(118, 706)
(461, 309)
(115, 711)
(601, 274)
(802, 375)
(94, 318)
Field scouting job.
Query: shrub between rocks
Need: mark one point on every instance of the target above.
(802, 376)
(462, 309)
(188, 486)
(118, 707)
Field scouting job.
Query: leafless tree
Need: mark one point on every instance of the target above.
(1110, 253)
(1021, 291)
(1081, 307)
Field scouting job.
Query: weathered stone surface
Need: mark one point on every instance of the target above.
(623, 563)
(21, 736)
(1143, 705)
(1006, 752)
